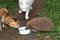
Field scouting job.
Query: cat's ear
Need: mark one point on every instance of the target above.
(15, 19)
(4, 9)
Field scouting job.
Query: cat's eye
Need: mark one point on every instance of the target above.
(15, 19)
(21, 3)
(27, 3)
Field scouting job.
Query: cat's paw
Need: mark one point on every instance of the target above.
(26, 17)
(20, 11)
(31, 8)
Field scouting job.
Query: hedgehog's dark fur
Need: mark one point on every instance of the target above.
(41, 24)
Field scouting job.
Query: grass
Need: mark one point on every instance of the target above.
(51, 10)
(9, 4)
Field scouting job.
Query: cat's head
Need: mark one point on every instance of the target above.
(24, 5)
(13, 22)
(3, 11)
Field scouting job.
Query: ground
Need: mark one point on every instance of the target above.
(12, 34)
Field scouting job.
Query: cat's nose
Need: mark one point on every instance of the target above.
(25, 8)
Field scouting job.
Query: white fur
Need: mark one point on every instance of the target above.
(25, 6)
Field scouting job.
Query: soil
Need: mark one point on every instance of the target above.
(12, 34)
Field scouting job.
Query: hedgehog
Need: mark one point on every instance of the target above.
(40, 24)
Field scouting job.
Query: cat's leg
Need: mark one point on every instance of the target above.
(0, 27)
(20, 11)
(31, 7)
(27, 13)
(3, 25)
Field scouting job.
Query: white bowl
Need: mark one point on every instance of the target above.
(23, 31)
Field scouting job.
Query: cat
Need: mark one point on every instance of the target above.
(25, 6)
(5, 18)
